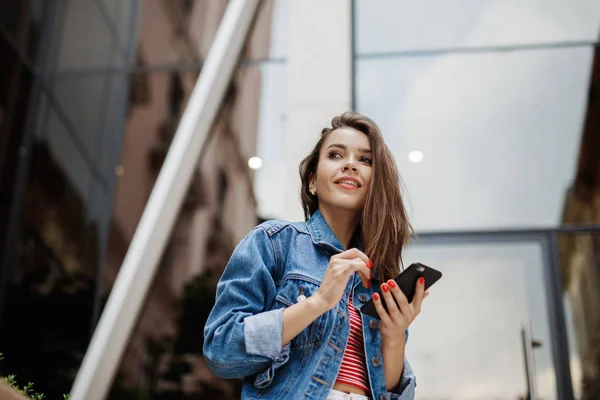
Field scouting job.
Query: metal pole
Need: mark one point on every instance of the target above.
(133, 282)
(528, 361)
(558, 325)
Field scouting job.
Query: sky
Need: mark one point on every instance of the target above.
(500, 135)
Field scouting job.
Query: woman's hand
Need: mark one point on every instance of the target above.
(400, 313)
(394, 323)
(340, 269)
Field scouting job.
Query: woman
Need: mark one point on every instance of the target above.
(286, 317)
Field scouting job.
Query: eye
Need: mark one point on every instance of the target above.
(366, 160)
(335, 155)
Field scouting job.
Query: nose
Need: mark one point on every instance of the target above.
(350, 165)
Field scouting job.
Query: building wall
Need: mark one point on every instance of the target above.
(319, 82)
(220, 208)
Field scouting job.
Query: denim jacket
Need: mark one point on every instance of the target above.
(271, 268)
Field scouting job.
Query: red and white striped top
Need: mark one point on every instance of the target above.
(354, 370)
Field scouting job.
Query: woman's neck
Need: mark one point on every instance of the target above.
(343, 223)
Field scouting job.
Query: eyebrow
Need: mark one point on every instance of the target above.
(344, 147)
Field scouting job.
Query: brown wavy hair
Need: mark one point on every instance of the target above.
(384, 227)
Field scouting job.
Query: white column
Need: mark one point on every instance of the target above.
(319, 82)
(139, 267)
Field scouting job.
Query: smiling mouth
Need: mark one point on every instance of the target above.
(347, 182)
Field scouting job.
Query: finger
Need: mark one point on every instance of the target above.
(364, 273)
(419, 294)
(400, 297)
(383, 315)
(353, 253)
(390, 302)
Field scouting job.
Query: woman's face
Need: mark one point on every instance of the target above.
(344, 172)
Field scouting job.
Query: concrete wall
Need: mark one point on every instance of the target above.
(319, 82)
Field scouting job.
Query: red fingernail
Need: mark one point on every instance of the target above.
(385, 287)
(376, 297)
(422, 280)
(370, 264)
(368, 285)
(392, 284)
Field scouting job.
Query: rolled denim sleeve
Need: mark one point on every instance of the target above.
(240, 337)
(262, 333)
(408, 383)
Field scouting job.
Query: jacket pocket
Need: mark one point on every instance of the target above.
(295, 288)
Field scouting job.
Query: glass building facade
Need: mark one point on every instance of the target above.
(92, 93)
(491, 111)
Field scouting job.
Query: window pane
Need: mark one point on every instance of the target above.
(269, 35)
(499, 133)
(467, 342)
(391, 25)
(88, 34)
(84, 99)
(118, 16)
(22, 23)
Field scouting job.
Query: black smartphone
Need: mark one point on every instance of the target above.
(407, 281)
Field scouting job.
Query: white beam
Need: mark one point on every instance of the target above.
(139, 266)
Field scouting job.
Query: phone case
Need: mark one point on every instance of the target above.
(407, 281)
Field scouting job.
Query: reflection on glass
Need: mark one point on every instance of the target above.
(268, 35)
(89, 34)
(178, 31)
(86, 100)
(22, 23)
(392, 25)
(580, 270)
(500, 132)
(164, 354)
(467, 343)
(50, 299)
(99, 141)
(184, 33)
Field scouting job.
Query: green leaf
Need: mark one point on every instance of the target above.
(11, 379)
(28, 388)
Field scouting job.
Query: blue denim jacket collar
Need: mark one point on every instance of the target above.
(322, 234)
(320, 231)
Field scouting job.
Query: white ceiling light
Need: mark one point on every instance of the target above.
(255, 162)
(415, 156)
